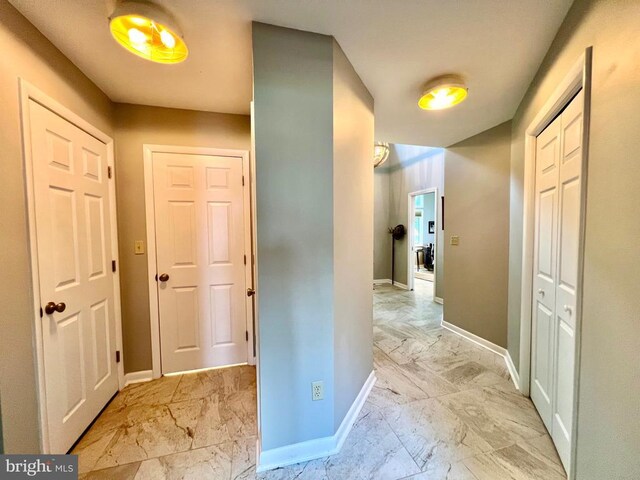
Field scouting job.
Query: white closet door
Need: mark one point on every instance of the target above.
(544, 280)
(71, 194)
(557, 236)
(569, 194)
(199, 214)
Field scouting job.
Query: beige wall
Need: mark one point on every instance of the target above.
(477, 210)
(608, 415)
(352, 233)
(136, 125)
(28, 55)
(381, 237)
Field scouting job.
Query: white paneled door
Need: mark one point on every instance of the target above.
(200, 248)
(74, 250)
(556, 252)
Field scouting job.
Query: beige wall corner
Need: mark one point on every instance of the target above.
(477, 211)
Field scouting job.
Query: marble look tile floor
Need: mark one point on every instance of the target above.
(442, 409)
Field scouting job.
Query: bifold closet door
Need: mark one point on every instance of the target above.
(556, 270)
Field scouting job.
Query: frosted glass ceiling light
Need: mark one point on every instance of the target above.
(443, 92)
(147, 31)
(380, 153)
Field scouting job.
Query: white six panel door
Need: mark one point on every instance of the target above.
(556, 273)
(199, 215)
(73, 229)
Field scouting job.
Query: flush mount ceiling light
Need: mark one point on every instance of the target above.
(443, 92)
(380, 153)
(147, 31)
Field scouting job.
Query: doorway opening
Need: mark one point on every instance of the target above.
(422, 240)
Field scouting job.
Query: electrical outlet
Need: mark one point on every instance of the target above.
(317, 391)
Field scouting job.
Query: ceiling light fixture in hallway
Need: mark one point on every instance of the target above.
(443, 92)
(147, 31)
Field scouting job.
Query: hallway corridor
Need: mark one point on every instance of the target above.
(441, 409)
(450, 403)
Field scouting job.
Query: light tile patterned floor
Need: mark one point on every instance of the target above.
(442, 408)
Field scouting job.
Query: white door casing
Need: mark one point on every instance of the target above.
(74, 249)
(556, 271)
(200, 233)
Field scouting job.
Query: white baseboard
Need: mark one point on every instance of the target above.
(317, 448)
(497, 349)
(350, 418)
(512, 370)
(475, 338)
(438, 300)
(382, 281)
(137, 377)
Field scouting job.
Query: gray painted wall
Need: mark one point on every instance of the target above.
(313, 142)
(293, 90)
(352, 233)
(608, 414)
(477, 210)
(27, 54)
(410, 168)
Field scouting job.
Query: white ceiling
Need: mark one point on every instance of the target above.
(394, 45)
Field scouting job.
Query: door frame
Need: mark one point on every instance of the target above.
(154, 313)
(410, 277)
(29, 92)
(578, 78)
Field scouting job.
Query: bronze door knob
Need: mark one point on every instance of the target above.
(164, 277)
(51, 307)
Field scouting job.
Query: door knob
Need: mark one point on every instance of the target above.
(51, 307)
(164, 277)
(541, 292)
(250, 292)
(567, 309)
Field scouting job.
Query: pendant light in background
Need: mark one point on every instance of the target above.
(146, 30)
(380, 153)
